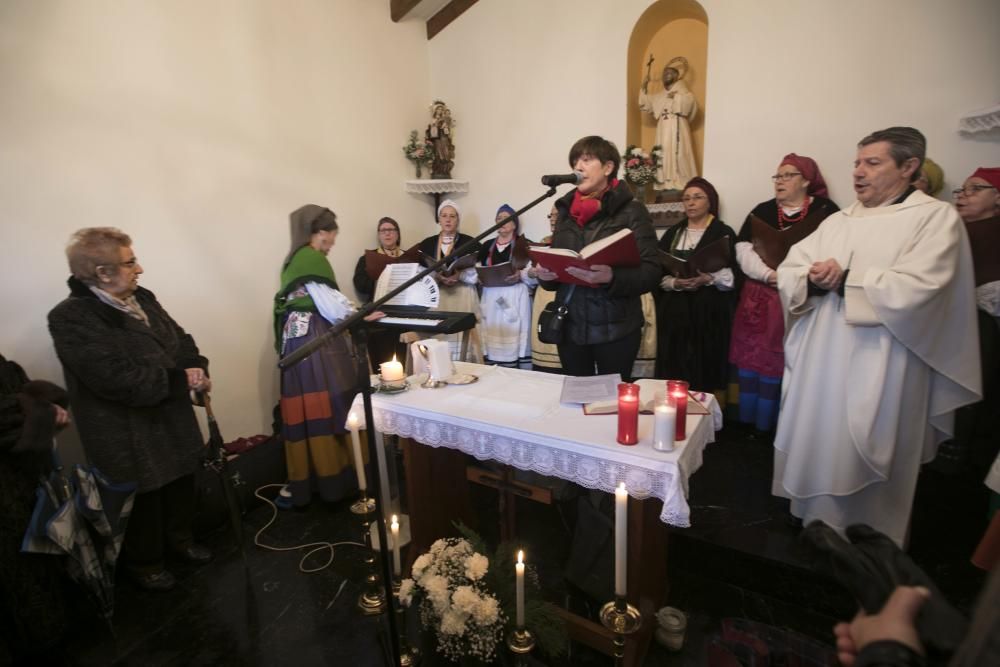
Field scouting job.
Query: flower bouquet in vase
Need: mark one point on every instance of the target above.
(466, 602)
(640, 168)
(419, 152)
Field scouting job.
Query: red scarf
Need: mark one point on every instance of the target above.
(585, 207)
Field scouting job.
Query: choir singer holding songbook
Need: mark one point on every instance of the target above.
(604, 316)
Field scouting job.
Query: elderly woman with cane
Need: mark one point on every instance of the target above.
(129, 371)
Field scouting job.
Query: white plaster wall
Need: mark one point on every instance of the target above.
(197, 126)
(525, 79)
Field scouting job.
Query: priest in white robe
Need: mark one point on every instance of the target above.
(881, 345)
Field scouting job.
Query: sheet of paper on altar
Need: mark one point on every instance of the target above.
(590, 389)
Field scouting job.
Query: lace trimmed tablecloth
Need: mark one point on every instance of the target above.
(514, 417)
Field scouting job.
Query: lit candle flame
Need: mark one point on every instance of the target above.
(520, 557)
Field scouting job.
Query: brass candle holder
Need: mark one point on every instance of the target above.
(520, 642)
(407, 655)
(622, 619)
(372, 601)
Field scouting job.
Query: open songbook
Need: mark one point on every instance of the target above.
(497, 275)
(618, 249)
(424, 292)
(773, 245)
(375, 261)
(708, 259)
(453, 265)
(647, 395)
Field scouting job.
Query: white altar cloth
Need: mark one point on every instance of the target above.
(514, 417)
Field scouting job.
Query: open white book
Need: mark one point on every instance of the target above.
(424, 292)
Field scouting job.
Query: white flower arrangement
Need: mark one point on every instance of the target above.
(448, 585)
(640, 166)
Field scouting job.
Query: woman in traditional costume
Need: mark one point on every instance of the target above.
(977, 426)
(694, 315)
(316, 393)
(800, 203)
(382, 345)
(506, 309)
(458, 287)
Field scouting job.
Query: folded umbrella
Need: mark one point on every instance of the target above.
(218, 463)
(82, 517)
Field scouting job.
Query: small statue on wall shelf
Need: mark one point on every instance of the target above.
(439, 133)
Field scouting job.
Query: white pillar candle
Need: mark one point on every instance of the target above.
(621, 538)
(519, 578)
(394, 529)
(664, 418)
(392, 371)
(359, 463)
(385, 497)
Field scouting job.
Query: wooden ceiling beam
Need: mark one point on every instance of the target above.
(398, 9)
(448, 13)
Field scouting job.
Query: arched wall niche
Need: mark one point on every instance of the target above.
(667, 28)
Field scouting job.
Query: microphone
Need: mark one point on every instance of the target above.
(553, 180)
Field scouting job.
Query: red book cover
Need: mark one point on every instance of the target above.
(619, 249)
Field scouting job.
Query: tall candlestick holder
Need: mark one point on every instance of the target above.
(520, 643)
(622, 619)
(407, 655)
(372, 601)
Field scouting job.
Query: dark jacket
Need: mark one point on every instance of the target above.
(364, 286)
(609, 312)
(128, 388)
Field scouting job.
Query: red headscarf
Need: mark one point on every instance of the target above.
(810, 171)
(709, 190)
(989, 174)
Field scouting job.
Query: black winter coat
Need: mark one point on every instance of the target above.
(609, 312)
(128, 388)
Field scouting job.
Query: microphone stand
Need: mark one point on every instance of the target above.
(356, 323)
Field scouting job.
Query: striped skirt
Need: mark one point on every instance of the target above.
(316, 395)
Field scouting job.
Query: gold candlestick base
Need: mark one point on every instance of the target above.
(622, 619)
(363, 505)
(372, 601)
(521, 641)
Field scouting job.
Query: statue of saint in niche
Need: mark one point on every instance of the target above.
(439, 134)
(673, 108)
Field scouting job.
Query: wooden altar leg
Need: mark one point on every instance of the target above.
(647, 571)
(437, 494)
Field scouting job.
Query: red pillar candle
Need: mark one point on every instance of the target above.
(628, 413)
(678, 389)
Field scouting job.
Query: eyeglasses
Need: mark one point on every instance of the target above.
(786, 177)
(386, 229)
(687, 198)
(970, 190)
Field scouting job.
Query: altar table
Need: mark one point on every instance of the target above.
(514, 417)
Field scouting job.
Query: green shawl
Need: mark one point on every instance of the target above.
(308, 265)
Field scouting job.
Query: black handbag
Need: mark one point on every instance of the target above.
(552, 319)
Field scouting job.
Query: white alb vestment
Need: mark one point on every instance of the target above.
(872, 379)
(673, 110)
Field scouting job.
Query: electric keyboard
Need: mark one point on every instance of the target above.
(427, 321)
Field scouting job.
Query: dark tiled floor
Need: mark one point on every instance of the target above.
(738, 567)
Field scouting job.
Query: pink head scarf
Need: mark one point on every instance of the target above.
(810, 172)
